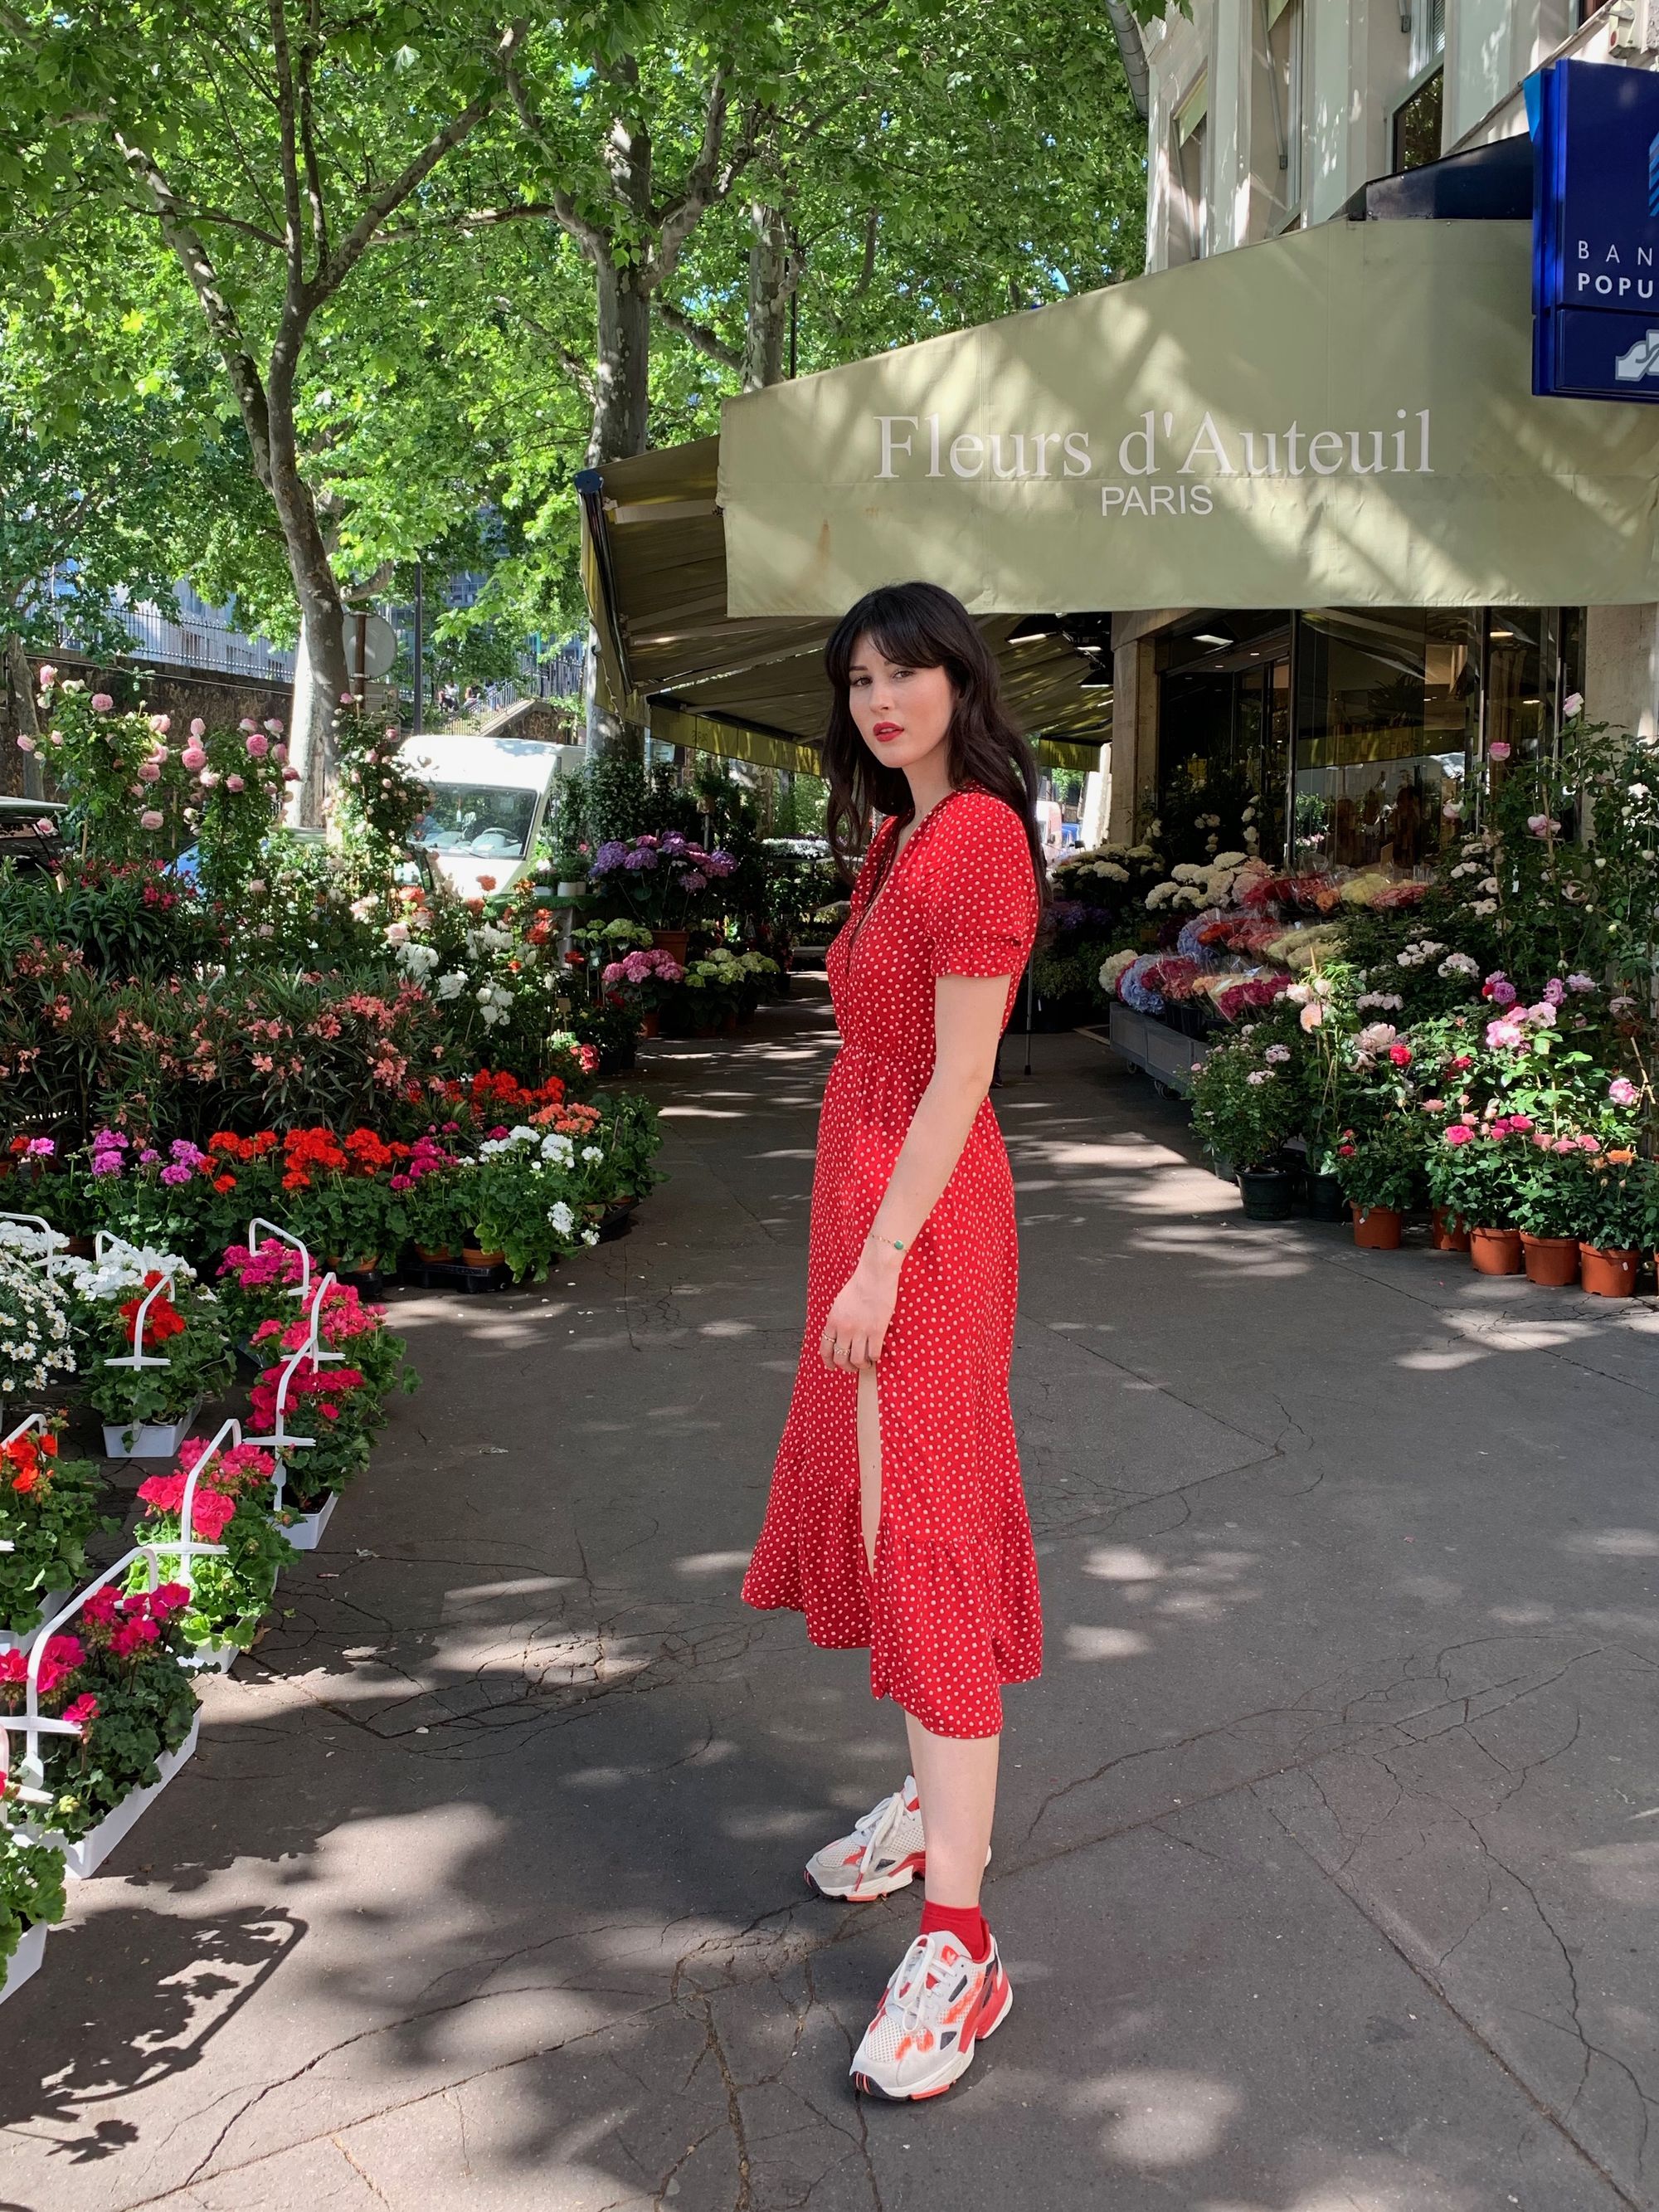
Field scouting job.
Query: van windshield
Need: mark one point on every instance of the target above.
(474, 820)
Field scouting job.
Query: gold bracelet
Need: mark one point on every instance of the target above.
(878, 1238)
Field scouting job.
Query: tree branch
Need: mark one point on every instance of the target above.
(309, 138)
(294, 247)
(595, 241)
(575, 366)
(697, 334)
(223, 321)
(407, 181)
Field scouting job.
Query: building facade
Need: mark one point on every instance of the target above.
(1351, 730)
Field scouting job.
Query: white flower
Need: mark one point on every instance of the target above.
(1489, 883)
(1466, 868)
(486, 994)
(590, 1236)
(558, 1148)
(592, 1153)
(451, 984)
(1260, 1075)
(1458, 964)
(418, 960)
(1484, 906)
(562, 1217)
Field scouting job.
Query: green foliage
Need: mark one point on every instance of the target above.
(50, 1506)
(1245, 1106)
(198, 1354)
(120, 920)
(230, 1594)
(31, 1889)
(1384, 1168)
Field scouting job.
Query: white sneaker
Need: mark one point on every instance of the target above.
(884, 1852)
(939, 2007)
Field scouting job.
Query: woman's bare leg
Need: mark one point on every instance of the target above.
(957, 1777)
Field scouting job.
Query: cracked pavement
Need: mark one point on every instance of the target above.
(1328, 1847)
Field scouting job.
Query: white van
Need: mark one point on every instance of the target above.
(489, 799)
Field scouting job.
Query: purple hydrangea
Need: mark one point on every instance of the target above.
(1137, 993)
(693, 880)
(674, 846)
(610, 855)
(642, 856)
(720, 862)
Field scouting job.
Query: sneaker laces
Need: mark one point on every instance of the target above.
(873, 1827)
(919, 1986)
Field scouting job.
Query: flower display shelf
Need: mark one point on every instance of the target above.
(306, 1533)
(149, 1439)
(20, 1639)
(82, 1858)
(1154, 1047)
(25, 1961)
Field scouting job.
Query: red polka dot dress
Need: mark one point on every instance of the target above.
(953, 1611)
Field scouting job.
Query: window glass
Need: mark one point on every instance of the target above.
(1417, 124)
(476, 820)
(1276, 115)
(1520, 648)
(1190, 212)
(1387, 702)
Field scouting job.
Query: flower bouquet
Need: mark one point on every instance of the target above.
(34, 1320)
(231, 1590)
(151, 1346)
(48, 1509)
(31, 1897)
(121, 1679)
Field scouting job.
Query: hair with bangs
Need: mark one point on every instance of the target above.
(922, 626)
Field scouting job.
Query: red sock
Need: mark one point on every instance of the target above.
(965, 1921)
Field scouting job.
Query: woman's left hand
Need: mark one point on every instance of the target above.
(857, 1325)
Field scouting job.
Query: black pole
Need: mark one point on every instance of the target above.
(1030, 992)
(420, 642)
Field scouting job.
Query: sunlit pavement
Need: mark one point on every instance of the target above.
(1329, 1848)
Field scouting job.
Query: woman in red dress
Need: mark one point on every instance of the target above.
(897, 1518)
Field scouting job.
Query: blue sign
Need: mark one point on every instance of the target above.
(1596, 231)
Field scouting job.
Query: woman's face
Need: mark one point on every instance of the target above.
(902, 713)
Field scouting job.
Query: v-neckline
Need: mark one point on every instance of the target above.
(883, 887)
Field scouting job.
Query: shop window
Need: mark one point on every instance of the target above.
(1386, 714)
(1224, 735)
(1190, 215)
(1276, 115)
(1426, 20)
(1521, 654)
(1417, 124)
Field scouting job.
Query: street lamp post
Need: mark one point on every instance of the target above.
(420, 643)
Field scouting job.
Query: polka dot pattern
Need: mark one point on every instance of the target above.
(953, 1611)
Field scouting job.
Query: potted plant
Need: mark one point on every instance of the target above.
(120, 1678)
(1549, 1206)
(661, 881)
(1474, 1171)
(529, 1197)
(646, 978)
(441, 1210)
(351, 1327)
(231, 1590)
(1611, 1219)
(151, 1345)
(257, 1285)
(1380, 1175)
(49, 1507)
(333, 1405)
(1245, 1106)
(31, 1899)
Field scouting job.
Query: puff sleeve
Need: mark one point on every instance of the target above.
(984, 902)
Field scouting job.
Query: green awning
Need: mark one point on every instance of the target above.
(1339, 417)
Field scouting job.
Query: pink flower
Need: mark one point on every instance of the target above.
(1504, 1036)
(209, 776)
(1542, 824)
(161, 724)
(198, 728)
(1563, 1145)
(149, 771)
(1589, 1144)
(290, 775)
(1498, 750)
(83, 1711)
(149, 819)
(274, 724)
(1580, 982)
(259, 744)
(1520, 1122)
(234, 783)
(1572, 702)
(25, 744)
(193, 758)
(1459, 1133)
(1623, 1091)
(101, 702)
(279, 752)
(48, 676)
(346, 698)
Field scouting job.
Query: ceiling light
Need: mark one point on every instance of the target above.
(1212, 637)
(1096, 683)
(1502, 633)
(1034, 627)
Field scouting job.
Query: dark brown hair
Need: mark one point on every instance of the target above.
(922, 626)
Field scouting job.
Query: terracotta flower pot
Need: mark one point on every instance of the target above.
(729, 1022)
(1377, 1228)
(1607, 1274)
(364, 1264)
(673, 942)
(1449, 1232)
(650, 1021)
(476, 1257)
(435, 1255)
(1495, 1251)
(1552, 1261)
